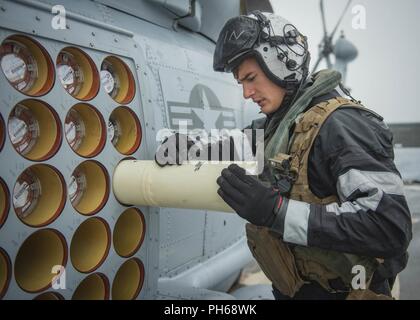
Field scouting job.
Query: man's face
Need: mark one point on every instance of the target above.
(258, 87)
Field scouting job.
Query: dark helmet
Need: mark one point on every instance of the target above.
(280, 49)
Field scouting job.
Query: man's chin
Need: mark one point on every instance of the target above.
(265, 109)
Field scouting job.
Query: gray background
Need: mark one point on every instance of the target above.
(386, 74)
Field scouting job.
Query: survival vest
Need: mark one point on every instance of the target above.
(290, 266)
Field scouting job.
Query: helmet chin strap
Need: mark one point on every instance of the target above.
(292, 93)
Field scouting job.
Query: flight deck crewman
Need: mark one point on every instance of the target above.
(330, 203)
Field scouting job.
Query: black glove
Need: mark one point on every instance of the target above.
(250, 198)
(173, 150)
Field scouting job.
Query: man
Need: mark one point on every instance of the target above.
(330, 200)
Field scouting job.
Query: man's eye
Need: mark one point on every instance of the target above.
(252, 78)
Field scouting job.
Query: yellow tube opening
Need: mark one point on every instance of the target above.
(4, 202)
(77, 73)
(93, 287)
(128, 280)
(5, 272)
(49, 296)
(90, 245)
(126, 130)
(89, 187)
(36, 258)
(85, 130)
(27, 65)
(39, 195)
(2, 132)
(34, 130)
(117, 80)
(129, 232)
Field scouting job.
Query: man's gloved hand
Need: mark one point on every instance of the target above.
(173, 150)
(250, 198)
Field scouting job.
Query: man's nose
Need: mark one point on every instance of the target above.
(248, 91)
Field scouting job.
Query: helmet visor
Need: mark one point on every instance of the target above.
(237, 38)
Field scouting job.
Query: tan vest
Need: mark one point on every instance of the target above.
(289, 266)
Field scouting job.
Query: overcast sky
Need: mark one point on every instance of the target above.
(386, 74)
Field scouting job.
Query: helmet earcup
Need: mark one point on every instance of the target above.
(284, 53)
(291, 64)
